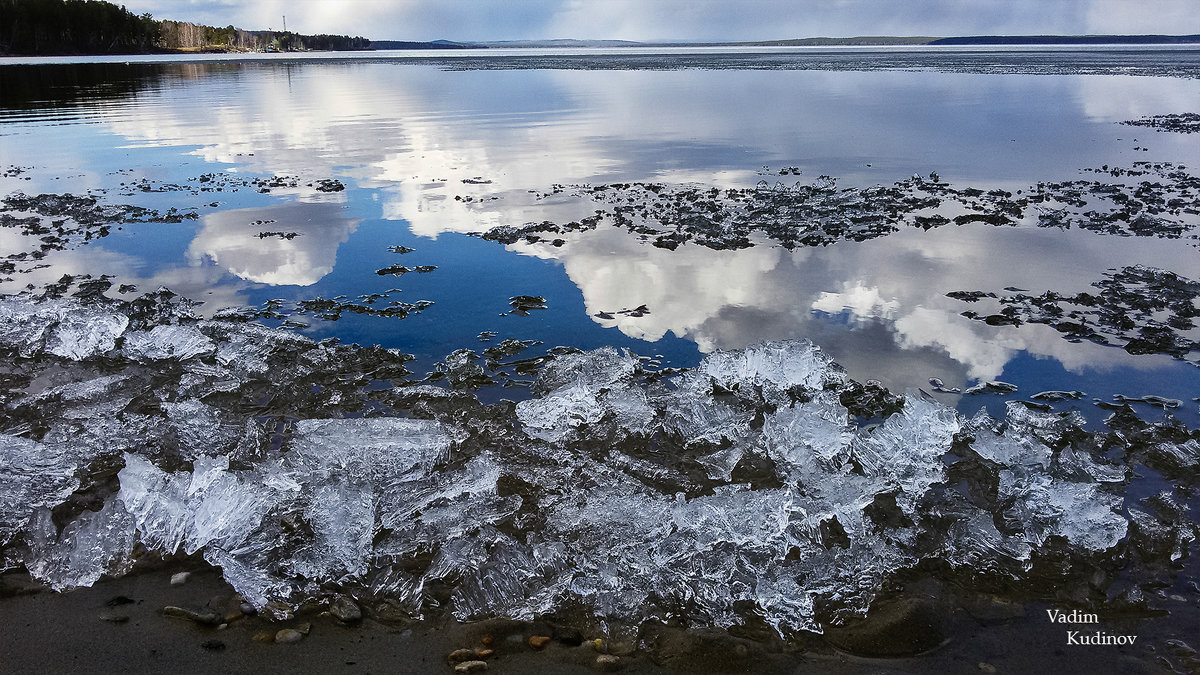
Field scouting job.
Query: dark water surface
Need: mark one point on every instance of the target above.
(433, 150)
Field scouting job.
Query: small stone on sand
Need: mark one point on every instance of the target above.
(208, 618)
(344, 609)
(608, 663)
(289, 635)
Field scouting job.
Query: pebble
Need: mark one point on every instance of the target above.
(289, 635)
(344, 609)
(461, 655)
(487, 639)
(598, 644)
(471, 667)
(608, 663)
(247, 608)
(484, 653)
(278, 611)
(180, 578)
(264, 636)
(114, 618)
(538, 641)
(208, 618)
(986, 667)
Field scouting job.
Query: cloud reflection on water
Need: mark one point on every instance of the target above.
(414, 134)
(729, 299)
(230, 239)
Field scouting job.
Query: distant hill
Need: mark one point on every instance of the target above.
(560, 43)
(436, 44)
(863, 40)
(501, 44)
(859, 41)
(1070, 40)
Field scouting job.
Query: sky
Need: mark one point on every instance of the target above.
(683, 20)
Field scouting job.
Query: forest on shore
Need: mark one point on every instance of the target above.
(45, 27)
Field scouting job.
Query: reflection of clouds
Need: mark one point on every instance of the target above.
(400, 128)
(860, 301)
(414, 133)
(903, 328)
(682, 288)
(1117, 99)
(229, 239)
(205, 283)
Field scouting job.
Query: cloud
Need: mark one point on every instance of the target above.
(682, 19)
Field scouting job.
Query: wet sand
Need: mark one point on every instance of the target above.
(74, 632)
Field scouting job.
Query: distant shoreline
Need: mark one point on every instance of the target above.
(859, 41)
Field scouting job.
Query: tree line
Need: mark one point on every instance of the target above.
(97, 27)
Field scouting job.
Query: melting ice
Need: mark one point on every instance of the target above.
(741, 486)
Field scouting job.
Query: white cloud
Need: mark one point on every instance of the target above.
(682, 19)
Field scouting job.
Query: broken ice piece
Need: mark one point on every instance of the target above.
(162, 343)
(361, 449)
(94, 544)
(32, 476)
(776, 367)
(990, 387)
(81, 334)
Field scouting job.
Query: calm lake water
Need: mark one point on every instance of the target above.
(433, 150)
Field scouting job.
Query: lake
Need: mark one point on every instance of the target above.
(981, 228)
(433, 149)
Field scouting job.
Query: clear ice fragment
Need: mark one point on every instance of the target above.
(166, 343)
(364, 449)
(94, 544)
(33, 476)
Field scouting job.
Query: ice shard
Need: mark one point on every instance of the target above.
(91, 545)
(79, 335)
(167, 343)
(33, 476)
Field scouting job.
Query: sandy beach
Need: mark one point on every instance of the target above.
(119, 625)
